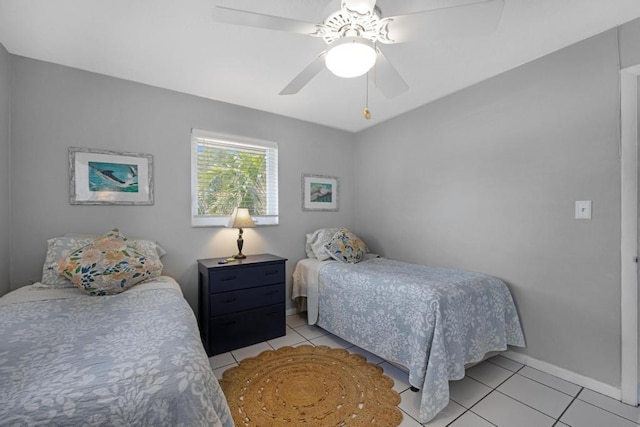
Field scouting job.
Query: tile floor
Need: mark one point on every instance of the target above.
(497, 392)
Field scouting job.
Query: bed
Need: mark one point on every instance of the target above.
(67, 358)
(132, 358)
(433, 321)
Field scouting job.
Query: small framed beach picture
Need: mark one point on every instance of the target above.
(319, 193)
(100, 177)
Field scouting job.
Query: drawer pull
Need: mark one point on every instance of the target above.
(271, 273)
(230, 300)
(226, 279)
(268, 294)
(229, 323)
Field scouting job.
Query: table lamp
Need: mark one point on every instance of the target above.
(240, 219)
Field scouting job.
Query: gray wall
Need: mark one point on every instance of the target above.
(486, 180)
(5, 154)
(629, 35)
(55, 107)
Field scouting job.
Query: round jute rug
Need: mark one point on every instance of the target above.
(310, 386)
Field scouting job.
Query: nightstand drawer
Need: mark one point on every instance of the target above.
(246, 328)
(246, 299)
(231, 279)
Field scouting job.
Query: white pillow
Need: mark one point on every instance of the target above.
(57, 248)
(140, 244)
(316, 241)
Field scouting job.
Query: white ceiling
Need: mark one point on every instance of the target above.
(175, 44)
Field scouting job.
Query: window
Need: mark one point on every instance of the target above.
(228, 172)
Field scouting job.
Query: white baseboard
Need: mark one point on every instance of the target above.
(565, 374)
(291, 311)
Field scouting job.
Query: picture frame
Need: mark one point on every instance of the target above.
(102, 177)
(319, 192)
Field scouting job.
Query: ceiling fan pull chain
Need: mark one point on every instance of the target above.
(367, 113)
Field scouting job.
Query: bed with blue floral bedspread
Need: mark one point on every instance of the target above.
(431, 320)
(135, 358)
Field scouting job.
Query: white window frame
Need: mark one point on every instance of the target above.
(272, 218)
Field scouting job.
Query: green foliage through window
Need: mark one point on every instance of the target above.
(229, 179)
(232, 174)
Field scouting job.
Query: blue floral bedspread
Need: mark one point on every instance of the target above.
(133, 359)
(431, 320)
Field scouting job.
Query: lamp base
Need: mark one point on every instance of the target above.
(240, 244)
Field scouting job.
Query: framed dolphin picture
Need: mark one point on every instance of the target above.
(100, 177)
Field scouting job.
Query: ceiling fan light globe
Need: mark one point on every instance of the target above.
(351, 57)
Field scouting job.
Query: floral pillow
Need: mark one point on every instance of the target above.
(345, 246)
(108, 265)
(60, 247)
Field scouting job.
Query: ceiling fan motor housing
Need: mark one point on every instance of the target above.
(351, 23)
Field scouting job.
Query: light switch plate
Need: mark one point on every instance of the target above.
(583, 209)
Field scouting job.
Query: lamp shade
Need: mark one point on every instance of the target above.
(240, 218)
(351, 56)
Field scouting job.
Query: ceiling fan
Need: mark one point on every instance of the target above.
(354, 34)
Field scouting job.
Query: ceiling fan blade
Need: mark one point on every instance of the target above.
(228, 15)
(387, 78)
(305, 75)
(461, 20)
